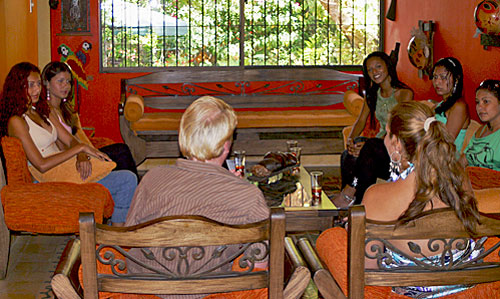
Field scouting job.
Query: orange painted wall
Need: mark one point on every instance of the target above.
(18, 35)
(454, 36)
(99, 105)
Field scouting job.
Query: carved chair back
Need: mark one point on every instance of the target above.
(444, 233)
(180, 240)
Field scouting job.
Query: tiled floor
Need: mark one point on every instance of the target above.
(32, 262)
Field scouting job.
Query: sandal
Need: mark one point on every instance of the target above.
(342, 200)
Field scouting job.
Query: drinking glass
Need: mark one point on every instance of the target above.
(239, 161)
(291, 144)
(296, 152)
(316, 187)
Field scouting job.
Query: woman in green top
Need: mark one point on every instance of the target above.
(483, 149)
(366, 159)
(447, 79)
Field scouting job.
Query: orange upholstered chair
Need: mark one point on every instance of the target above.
(343, 254)
(48, 208)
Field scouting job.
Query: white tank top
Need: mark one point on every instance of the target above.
(44, 140)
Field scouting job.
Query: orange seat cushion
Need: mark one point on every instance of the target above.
(53, 208)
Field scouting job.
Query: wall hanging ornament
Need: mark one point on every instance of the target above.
(75, 17)
(77, 62)
(487, 16)
(487, 19)
(420, 47)
(391, 12)
(53, 4)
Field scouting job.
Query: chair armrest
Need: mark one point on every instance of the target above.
(65, 283)
(326, 284)
(487, 200)
(483, 178)
(298, 283)
(301, 275)
(99, 142)
(353, 102)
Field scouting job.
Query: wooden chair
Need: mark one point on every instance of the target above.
(174, 233)
(362, 234)
(66, 285)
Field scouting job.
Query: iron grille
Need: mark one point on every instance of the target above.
(208, 33)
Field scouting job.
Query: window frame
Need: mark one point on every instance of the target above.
(344, 67)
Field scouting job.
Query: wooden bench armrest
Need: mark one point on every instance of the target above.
(325, 282)
(353, 102)
(65, 283)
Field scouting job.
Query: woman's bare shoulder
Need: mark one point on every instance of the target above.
(403, 95)
(386, 201)
(460, 105)
(15, 125)
(375, 192)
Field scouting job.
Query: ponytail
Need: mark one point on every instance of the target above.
(438, 173)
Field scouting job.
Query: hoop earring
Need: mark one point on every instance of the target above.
(395, 166)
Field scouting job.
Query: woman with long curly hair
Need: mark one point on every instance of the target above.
(431, 178)
(23, 114)
(365, 159)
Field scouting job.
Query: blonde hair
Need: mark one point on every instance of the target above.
(205, 126)
(433, 152)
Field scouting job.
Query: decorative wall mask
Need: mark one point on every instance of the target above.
(420, 47)
(487, 16)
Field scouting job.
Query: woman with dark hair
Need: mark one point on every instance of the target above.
(366, 159)
(57, 86)
(25, 115)
(448, 82)
(483, 149)
(431, 178)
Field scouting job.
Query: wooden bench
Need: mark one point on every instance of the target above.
(271, 104)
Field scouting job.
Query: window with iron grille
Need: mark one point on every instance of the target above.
(138, 34)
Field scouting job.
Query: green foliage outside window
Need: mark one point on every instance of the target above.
(159, 33)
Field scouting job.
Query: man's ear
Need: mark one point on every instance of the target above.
(227, 146)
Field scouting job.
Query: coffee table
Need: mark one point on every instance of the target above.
(313, 218)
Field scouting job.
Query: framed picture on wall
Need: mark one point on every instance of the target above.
(75, 16)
